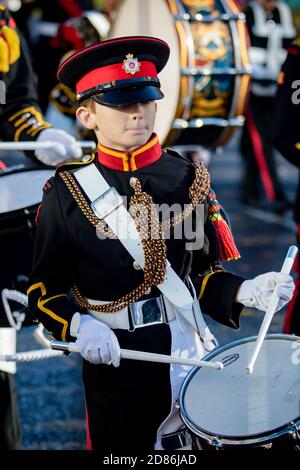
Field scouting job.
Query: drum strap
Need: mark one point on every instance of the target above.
(107, 204)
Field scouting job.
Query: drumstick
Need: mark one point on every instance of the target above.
(27, 145)
(286, 268)
(144, 356)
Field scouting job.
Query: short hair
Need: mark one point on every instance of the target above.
(88, 103)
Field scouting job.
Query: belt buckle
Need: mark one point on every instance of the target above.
(105, 204)
(147, 312)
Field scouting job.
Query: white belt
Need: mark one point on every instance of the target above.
(263, 90)
(46, 28)
(8, 338)
(120, 320)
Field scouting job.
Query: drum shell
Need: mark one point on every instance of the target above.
(222, 94)
(17, 241)
(19, 184)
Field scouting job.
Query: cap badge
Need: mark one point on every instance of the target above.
(131, 64)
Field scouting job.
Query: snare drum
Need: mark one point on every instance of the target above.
(206, 79)
(20, 195)
(230, 408)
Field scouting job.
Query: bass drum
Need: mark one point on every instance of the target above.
(206, 80)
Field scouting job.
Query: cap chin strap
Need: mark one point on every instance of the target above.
(116, 85)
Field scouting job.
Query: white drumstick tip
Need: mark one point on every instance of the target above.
(286, 269)
(292, 252)
(289, 259)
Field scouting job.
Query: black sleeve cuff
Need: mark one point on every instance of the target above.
(54, 313)
(217, 298)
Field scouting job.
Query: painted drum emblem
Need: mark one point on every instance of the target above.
(131, 64)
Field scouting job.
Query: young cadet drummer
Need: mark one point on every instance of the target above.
(87, 241)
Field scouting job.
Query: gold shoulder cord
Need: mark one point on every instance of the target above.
(198, 192)
(150, 229)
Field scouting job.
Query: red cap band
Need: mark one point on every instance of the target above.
(113, 72)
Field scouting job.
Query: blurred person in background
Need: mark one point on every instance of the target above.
(51, 29)
(271, 30)
(287, 141)
(20, 120)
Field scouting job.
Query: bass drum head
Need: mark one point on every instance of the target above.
(199, 108)
(235, 407)
(153, 18)
(219, 64)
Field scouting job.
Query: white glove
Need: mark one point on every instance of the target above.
(65, 148)
(257, 292)
(97, 343)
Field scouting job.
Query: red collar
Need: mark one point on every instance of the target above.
(131, 161)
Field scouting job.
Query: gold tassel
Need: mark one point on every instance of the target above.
(12, 38)
(4, 56)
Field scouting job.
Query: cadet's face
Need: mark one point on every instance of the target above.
(126, 127)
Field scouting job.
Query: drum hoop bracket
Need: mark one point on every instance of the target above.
(238, 121)
(295, 433)
(202, 71)
(199, 18)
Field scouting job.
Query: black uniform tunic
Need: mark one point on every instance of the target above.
(126, 404)
(21, 118)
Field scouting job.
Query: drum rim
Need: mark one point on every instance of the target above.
(13, 170)
(219, 440)
(23, 212)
